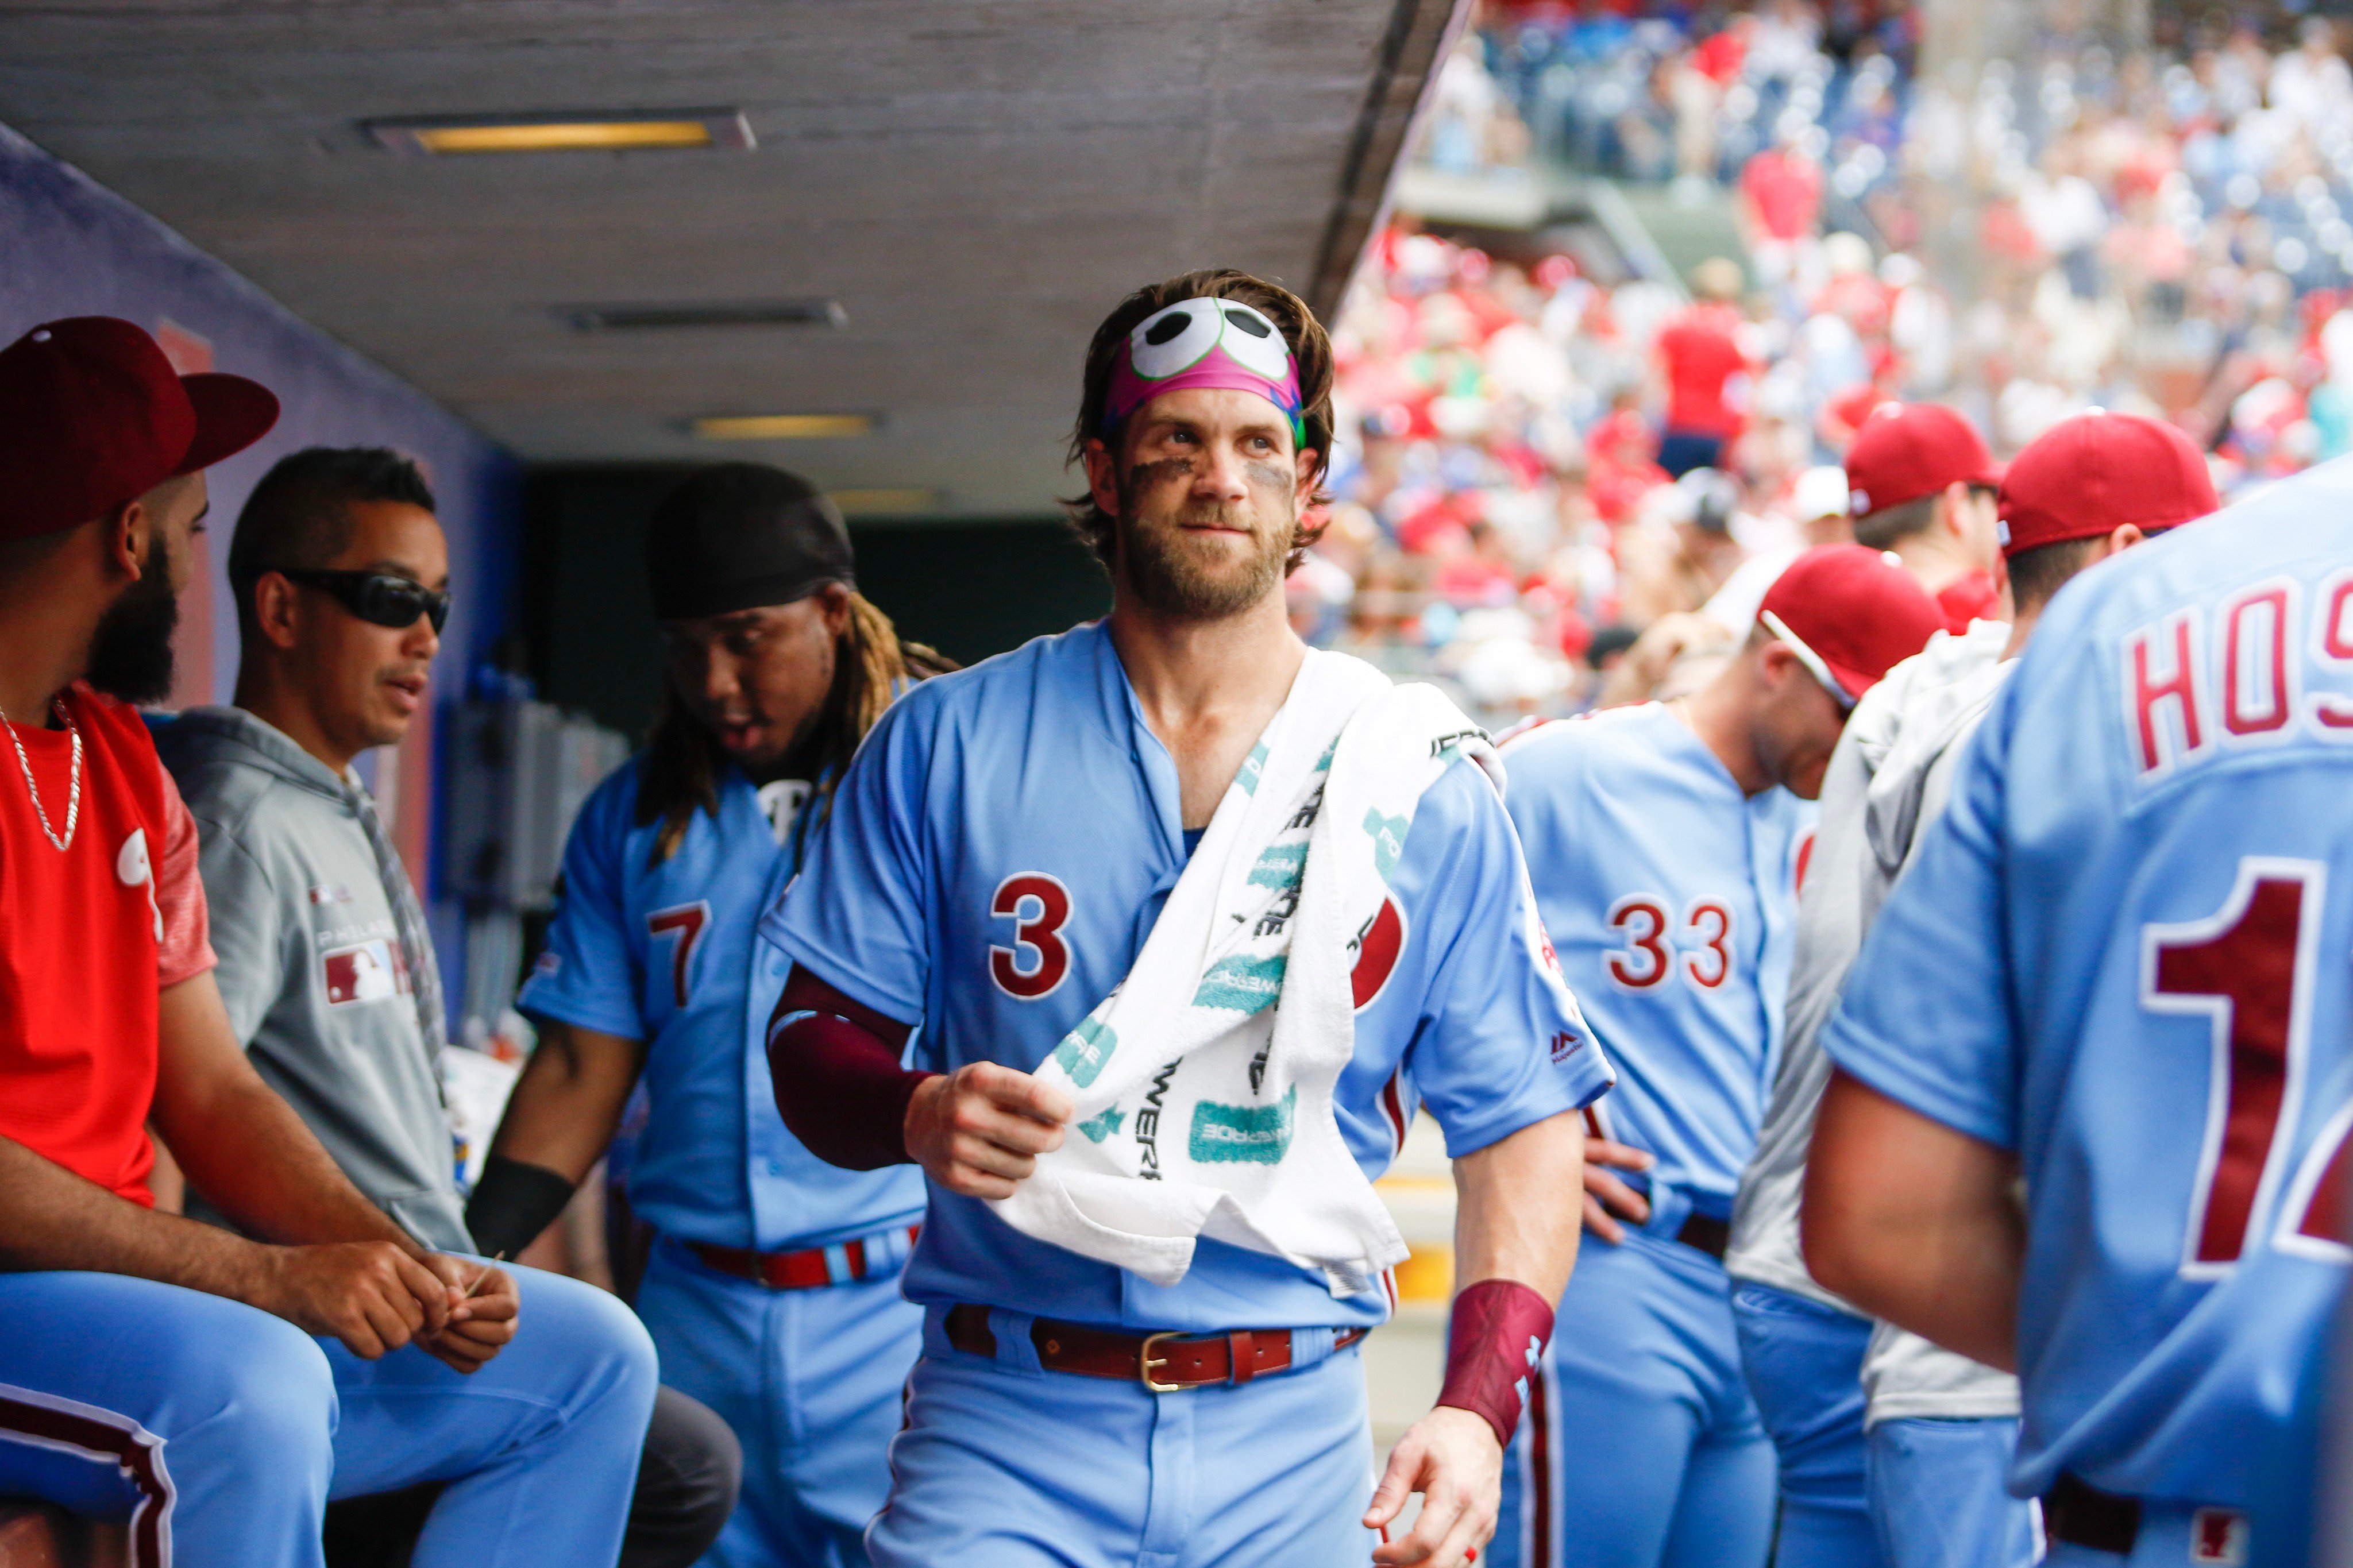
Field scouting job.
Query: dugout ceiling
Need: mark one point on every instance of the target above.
(975, 183)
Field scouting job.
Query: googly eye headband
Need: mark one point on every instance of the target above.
(1218, 343)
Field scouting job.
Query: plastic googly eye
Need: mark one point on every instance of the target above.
(1253, 341)
(1174, 338)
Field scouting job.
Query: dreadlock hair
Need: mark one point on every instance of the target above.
(1310, 351)
(871, 661)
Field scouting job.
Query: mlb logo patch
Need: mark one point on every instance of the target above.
(2219, 1535)
(365, 971)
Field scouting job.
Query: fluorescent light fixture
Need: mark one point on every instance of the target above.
(783, 427)
(887, 502)
(635, 316)
(578, 131)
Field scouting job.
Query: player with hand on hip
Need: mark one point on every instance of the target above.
(2119, 968)
(1667, 842)
(1141, 1319)
(1928, 1485)
(772, 1289)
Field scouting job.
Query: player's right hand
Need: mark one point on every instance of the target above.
(1606, 1195)
(371, 1295)
(980, 1129)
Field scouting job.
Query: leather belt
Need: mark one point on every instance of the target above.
(2081, 1514)
(1705, 1232)
(1164, 1363)
(811, 1269)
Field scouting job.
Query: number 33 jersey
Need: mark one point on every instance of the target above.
(997, 855)
(2124, 953)
(1671, 900)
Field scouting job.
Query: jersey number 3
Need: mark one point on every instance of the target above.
(2248, 969)
(1038, 905)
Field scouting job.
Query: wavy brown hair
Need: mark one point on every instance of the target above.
(1311, 350)
(681, 769)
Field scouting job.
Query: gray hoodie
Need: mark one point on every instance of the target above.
(320, 986)
(1888, 779)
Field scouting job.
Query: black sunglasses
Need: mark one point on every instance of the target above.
(377, 597)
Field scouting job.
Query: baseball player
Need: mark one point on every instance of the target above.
(1921, 485)
(1941, 1427)
(772, 1287)
(2118, 970)
(996, 864)
(326, 968)
(156, 1369)
(1666, 842)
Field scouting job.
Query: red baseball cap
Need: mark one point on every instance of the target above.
(2091, 474)
(1906, 450)
(1852, 613)
(92, 414)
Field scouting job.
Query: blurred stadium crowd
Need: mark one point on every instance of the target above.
(1546, 474)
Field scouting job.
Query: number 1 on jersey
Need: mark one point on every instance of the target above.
(2248, 969)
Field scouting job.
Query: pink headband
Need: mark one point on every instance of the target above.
(1218, 343)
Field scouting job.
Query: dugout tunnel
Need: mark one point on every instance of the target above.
(563, 252)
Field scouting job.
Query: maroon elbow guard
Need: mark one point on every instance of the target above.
(1497, 1332)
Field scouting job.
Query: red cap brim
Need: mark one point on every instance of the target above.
(232, 413)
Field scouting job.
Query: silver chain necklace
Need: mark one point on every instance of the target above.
(73, 801)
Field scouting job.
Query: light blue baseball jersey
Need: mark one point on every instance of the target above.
(1671, 900)
(668, 954)
(2126, 952)
(992, 865)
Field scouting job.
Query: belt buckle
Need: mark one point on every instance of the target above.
(1146, 1361)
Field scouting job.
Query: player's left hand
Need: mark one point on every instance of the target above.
(1608, 1199)
(1450, 1457)
(483, 1312)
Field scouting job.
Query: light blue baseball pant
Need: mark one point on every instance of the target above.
(812, 1382)
(1940, 1496)
(1804, 1364)
(1006, 1465)
(1641, 1446)
(219, 1432)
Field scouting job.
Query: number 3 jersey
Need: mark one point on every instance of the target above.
(1671, 897)
(666, 953)
(2126, 953)
(995, 859)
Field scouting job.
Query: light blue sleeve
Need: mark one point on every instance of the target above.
(589, 974)
(855, 916)
(1928, 1017)
(1498, 1044)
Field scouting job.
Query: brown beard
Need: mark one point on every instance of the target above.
(1168, 578)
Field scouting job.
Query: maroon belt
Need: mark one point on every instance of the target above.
(809, 1270)
(1163, 1363)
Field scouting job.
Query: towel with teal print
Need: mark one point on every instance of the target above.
(1204, 1081)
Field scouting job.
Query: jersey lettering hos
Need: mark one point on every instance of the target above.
(667, 954)
(2133, 930)
(995, 859)
(1671, 897)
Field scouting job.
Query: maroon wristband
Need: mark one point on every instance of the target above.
(1498, 1330)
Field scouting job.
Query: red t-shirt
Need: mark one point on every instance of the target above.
(1785, 190)
(1975, 597)
(1701, 356)
(87, 937)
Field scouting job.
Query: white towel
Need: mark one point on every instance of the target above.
(1204, 1081)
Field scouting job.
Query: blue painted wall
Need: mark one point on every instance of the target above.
(70, 247)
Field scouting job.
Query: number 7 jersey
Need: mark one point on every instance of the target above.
(2126, 952)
